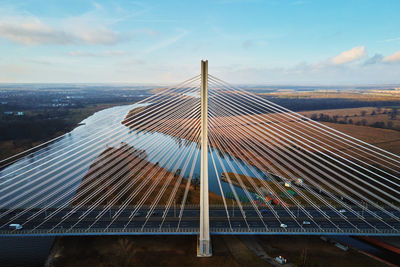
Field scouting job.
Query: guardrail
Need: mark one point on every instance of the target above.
(194, 230)
(301, 230)
(216, 206)
(99, 231)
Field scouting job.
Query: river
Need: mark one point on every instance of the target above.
(39, 179)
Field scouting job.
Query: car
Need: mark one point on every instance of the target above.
(306, 223)
(342, 211)
(283, 225)
(281, 260)
(15, 226)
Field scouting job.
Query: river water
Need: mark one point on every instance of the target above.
(40, 179)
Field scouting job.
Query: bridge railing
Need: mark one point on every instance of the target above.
(302, 230)
(196, 230)
(197, 206)
(100, 231)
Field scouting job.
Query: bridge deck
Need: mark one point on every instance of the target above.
(91, 224)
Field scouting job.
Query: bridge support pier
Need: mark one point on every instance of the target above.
(204, 241)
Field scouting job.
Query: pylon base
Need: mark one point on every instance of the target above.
(203, 248)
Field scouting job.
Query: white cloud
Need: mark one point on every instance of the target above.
(32, 31)
(392, 58)
(97, 26)
(351, 55)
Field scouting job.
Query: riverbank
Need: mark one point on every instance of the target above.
(65, 123)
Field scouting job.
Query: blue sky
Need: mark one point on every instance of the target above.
(254, 41)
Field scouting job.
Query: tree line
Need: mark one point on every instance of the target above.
(392, 115)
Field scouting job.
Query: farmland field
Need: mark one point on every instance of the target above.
(372, 116)
(383, 138)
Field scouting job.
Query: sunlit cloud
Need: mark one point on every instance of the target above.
(351, 55)
(392, 58)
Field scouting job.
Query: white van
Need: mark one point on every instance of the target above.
(283, 225)
(15, 226)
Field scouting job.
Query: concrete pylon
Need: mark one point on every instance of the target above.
(204, 242)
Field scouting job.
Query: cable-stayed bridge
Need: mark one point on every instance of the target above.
(202, 157)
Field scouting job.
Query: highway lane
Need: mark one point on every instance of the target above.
(142, 220)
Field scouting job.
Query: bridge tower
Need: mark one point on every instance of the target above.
(204, 242)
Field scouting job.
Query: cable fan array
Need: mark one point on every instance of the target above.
(301, 172)
(111, 175)
(135, 168)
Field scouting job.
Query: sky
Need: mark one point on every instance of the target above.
(271, 42)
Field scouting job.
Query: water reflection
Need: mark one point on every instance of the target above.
(58, 169)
